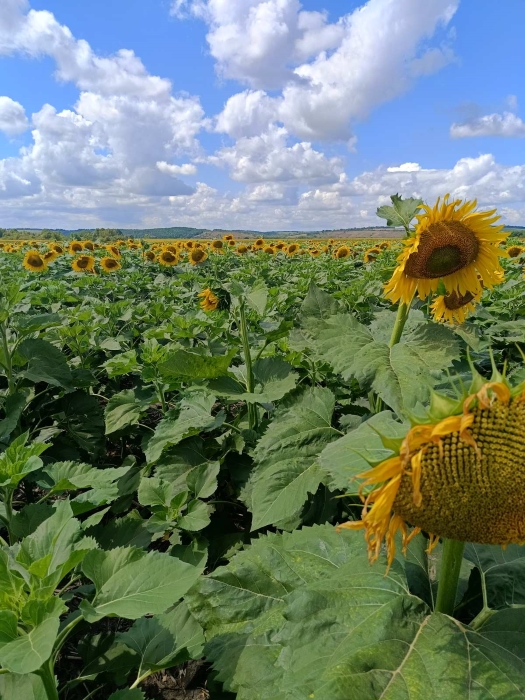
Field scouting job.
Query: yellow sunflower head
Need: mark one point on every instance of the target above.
(75, 247)
(242, 249)
(34, 261)
(228, 237)
(57, 248)
(515, 251)
(172, 248)
(149, 255)
(453, 243)
(371, 254)
(109, 265)
(197, 256)
(189, 245)
(314, 252)
(114, 250)
(454, 307)
(49, 256)
(217, 244)
(292, 249)
(342, 252)
(209, 300)
(259, 243)
(331, 241)
(461, 475)
(88, 245)
(84, 263)
(168, 259)
(269, 249)
(384, 245)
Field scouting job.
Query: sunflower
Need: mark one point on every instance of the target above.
(217, 245)
(281, 245)
(515, 251)
(109, 264)
(371, 254)
(452, 243)
(113, 250)
(197, 256)
(342, 252)
(189, 245)
(134, 246)
(268, 249)
(57, 248)
(384, 245)
(168, 259)
(34, 262)
(88, 245)
(149, 255)
(259, 243)
(454, 307)
(232, 243)
(172, 248)
(314, 252)
(85, 263)
(210, 301)
(242, 249)
(292, 249)
(460, 476)
(331, 241)
(228, 237)
(49, 256)
(75, 247)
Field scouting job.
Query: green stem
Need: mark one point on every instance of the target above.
(250, 381)
(61, 638)
(7, 357)
(401, 318)
(449, 576)
(47, 674)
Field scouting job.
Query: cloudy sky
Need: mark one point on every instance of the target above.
(262, 114)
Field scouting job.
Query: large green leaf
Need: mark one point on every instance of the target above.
(46, 363)
(125, 408)
(82, 418)
(356, 451)
(304, 615)
(274, 379)
(164, 640)
(192, 365)
(195, 415)
(19, 460)
(130, 583)
(13, 407)
(502, 573)
(26, 687)
(286, 468)
(186, 465)
(402, 375)
(29, 651)
(401, 212)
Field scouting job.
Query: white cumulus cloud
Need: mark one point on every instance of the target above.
(507, 125)
(13, 120)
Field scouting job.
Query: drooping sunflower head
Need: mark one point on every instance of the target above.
(168, 259)
(209, 300)
(515, 251)
(342, 252)
(84, 263)
(34, 262)
(75, 247)
(113, 250)
(109, 265)
(452, 243)
(197, 256)
(88, 245)
(454, 307)
(371, 254)
(461, 475)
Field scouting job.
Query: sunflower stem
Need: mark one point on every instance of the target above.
(401, 318)
(449, 577)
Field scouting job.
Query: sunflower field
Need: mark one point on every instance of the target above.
(265, 470)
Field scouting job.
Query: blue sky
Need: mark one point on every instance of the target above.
(266, 114)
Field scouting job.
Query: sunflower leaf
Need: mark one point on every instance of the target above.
(401, 212)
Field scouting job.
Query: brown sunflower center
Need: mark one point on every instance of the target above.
(470, 496)
(111, 264)
(197, 255)
(168, 257)
(444, 248)
(455, 301)
(83, 263)
(35, 261)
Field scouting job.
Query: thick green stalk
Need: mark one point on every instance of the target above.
(250, 381)
(7, 358)
(47, 674)
(401, 318)
(449, 576)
